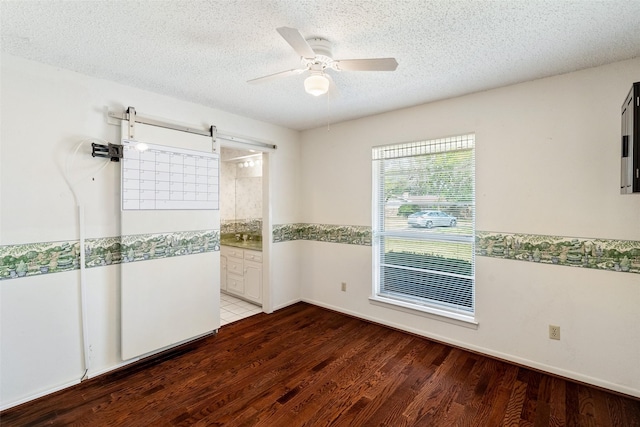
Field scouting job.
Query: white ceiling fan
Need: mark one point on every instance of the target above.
(315, 55)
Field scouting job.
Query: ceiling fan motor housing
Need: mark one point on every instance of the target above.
(322, 49)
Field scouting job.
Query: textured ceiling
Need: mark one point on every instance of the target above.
(205, 51)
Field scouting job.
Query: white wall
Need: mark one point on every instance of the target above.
(45, 113)
(547, 163)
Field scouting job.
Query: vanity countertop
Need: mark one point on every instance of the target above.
(254, 245)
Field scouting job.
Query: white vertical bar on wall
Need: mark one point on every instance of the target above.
(83, 294)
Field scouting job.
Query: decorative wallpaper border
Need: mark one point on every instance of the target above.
(601, 254)
(346, 234)
(232, 226)
(33, 259)
(52, 257)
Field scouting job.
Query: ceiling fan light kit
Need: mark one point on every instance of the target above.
(316, 57)
(316, 84)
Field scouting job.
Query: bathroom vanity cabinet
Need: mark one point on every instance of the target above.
(241, 271)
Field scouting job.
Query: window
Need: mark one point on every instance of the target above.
(424, 225)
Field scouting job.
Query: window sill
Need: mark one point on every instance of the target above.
(430, 312)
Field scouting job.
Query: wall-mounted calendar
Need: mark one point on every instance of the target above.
(168, 178)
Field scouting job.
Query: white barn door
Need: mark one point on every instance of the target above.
(170, 277)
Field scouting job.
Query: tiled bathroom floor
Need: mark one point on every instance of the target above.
(232, 309)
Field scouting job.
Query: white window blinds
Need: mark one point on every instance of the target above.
(424, 222)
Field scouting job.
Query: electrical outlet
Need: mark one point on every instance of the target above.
(554, 332)
(344, 286)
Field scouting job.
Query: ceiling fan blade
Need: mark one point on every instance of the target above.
(372, 64)
(297, 42)
(277, 75)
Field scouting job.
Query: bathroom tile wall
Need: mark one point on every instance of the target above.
(240, 187)
(248, 198)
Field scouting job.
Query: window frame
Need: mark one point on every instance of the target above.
(438, 311)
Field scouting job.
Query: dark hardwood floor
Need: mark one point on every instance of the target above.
(306, 366)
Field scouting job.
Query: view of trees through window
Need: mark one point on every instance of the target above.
(424, 226)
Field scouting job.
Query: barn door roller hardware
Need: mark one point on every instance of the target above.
(131, 117)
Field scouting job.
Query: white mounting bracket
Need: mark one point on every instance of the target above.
(131, 117)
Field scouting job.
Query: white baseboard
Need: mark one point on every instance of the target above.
(489, 352)
(286, 304)
(93, 374)
(38, 395)
(90, 374)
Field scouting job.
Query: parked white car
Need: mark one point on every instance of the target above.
(430, 219)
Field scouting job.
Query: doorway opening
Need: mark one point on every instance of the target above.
(244, 232)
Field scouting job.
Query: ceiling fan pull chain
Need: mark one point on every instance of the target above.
(328, 116)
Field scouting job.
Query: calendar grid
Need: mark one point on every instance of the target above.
(169, 178)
